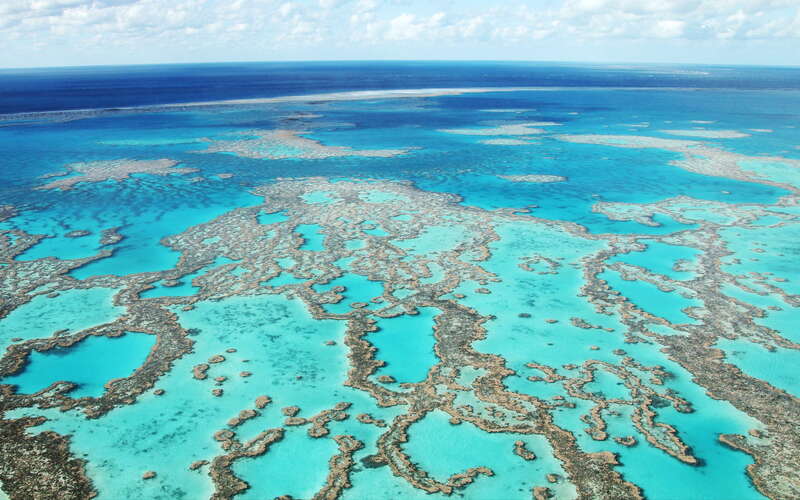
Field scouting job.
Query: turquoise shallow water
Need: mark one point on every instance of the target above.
(90, 364)
(153, 433)
(667, 305)
(406, 343)
(779, 367)
(185, 286)
(765, 250)
(73, 310)
(299, 481)
(661, 258)
(443, 449)
(141, 250)
(440, 228)
(557, 344)
(775, 315)
(313, 239)
(357, 288)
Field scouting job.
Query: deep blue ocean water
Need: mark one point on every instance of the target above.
(280, 336)
(50, 89)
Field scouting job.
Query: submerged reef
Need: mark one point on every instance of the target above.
(702, 158)
(535, 178)
(45, 456)
(281, 144)
(708, 134)
(530, 128)
(117, 170)
(505, 142)
(357, 328)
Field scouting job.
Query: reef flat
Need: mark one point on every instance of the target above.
(282, 144)
(708, 134)
(506, 142)
(361, 298)
(510, 129)
(702, 158)
(116, 170)
(533, 178)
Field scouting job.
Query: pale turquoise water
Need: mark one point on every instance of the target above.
(269, 476)
(778, 367)
(185, 286)
(608, 386)
(444, 449)
(313, 238)
(354, 244)
(374, 231)
(661, 258)
(765, 250)
(784, 320)
(65, 248)
(90, 364)
(152, 434)
(777, 171)
(437, 273)
(272, 218)
(668, 305)
(434, 239)
(768, 220)
(665, 477)
(141, 250)
(555, 345)
(358, 288)
(72, 310)
(406, 343)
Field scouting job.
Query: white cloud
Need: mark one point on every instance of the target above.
(286, 9)
(406, 27)
(77, 24)
(668, 28)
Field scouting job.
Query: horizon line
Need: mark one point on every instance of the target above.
(463, 61)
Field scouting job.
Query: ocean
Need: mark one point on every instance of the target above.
(489, 280)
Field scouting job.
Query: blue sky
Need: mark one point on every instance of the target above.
(81, 32)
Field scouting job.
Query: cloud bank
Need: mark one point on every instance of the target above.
(76, 31)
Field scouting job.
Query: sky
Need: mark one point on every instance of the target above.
(36, 33)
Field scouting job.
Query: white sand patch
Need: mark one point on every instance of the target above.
(708, 134)
(536, 178)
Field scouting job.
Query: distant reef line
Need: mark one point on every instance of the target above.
(353, 95)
